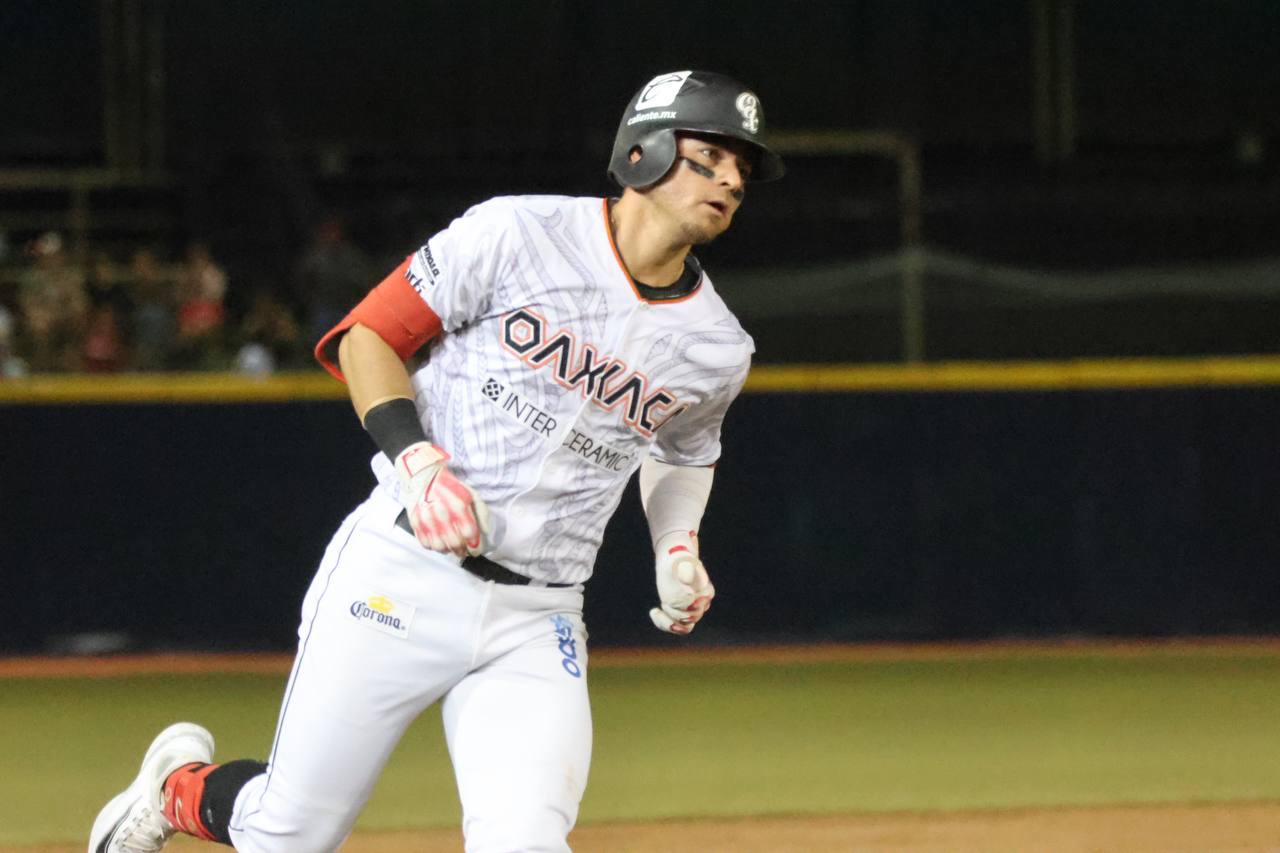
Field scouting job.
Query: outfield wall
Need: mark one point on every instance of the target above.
(948, 501)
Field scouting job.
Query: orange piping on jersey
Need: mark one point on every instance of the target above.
(393, 310)
(608, 232)
(617, 256)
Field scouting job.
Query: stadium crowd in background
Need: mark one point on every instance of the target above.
(144, 314)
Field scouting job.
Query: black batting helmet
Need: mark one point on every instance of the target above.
(693, 101)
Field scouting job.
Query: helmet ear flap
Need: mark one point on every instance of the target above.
(657, 156)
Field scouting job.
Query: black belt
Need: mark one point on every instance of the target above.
(483, 567)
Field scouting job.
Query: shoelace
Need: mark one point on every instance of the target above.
(146, 832)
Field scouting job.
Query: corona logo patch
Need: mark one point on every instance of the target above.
(383, 614)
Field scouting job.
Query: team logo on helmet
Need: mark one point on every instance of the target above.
(661, 90)
(749, 105)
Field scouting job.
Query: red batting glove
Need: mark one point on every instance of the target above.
(445, 515)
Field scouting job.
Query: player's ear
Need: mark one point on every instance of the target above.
(635, 154)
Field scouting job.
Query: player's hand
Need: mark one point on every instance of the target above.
(684, 589)
(445, 515)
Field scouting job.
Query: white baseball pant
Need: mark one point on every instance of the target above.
(387, 629)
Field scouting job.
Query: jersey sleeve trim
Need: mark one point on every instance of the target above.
(395, 311)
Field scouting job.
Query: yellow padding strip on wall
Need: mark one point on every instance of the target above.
(172, 388)
(1019, 376)
(1080, 375)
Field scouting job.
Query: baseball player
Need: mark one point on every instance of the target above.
(571, 343)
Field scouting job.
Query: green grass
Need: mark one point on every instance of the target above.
(735, 739)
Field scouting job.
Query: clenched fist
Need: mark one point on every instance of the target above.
(446, 516)
(684, 589)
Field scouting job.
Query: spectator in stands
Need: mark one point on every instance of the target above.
(54, 304)
(154, 318)
(104, 349)
(331, 276)
(202, 290)
(107, 284)
(11, 367)
(108, 338)
(269, 336)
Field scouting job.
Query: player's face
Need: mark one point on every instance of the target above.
(705, 188)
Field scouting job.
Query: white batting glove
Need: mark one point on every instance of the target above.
(445, 515)
(684, 589)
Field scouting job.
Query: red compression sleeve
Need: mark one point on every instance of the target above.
(394, 310)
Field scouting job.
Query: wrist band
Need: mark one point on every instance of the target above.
(393, 424)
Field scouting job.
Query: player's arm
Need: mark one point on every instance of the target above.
(372, 342)
(674, 499)
(395, 312)
(373, 370)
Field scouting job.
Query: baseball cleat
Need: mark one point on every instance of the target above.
(134, 821)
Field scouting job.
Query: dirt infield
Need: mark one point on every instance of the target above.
(1131, 829)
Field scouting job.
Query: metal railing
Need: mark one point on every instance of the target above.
(905, 154)
(74, 214)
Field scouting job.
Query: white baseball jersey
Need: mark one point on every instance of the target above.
(555, 377)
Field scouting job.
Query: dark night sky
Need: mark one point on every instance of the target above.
(1148, 72)
(431, 105)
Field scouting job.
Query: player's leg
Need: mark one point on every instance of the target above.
(519, 726)
(382, 638)
(328, 754)
(357, 682)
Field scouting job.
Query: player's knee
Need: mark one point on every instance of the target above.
(542, 831)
